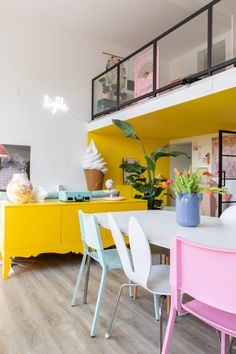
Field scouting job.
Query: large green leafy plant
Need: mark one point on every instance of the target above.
(143, 178)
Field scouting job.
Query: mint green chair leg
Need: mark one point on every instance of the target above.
(156, 307)
(86, 280)
(99, 302)
(76, 290)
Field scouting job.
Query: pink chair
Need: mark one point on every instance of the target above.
(206, 274)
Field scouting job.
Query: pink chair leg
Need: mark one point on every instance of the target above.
(169, 331)
(224, 342)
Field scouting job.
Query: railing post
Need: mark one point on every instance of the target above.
(210, 39)
(92, 105)
(118, 86)
(154, 82)
(220, 148)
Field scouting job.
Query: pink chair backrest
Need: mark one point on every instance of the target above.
(207, 274)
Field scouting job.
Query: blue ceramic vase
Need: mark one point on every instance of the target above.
(188, 209)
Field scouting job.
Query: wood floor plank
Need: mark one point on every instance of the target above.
(36, 316)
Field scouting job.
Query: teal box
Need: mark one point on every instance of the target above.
(70, 196)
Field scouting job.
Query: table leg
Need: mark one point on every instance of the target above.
(168, 303)
(6, 267)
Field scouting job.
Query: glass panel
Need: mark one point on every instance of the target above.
(136, 75)
(105, 92)
(230, 185)
(228, 148)
(224, 31)
(229, 144)
(182, 52)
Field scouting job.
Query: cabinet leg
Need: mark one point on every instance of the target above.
(6, 267)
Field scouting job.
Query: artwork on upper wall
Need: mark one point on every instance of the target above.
(18, 160)
(229, 163)
(143, 72)
(126, 174)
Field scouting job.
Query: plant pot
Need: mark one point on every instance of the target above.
(19, 189)
(188, 209)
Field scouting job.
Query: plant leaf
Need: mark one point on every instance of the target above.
(157, 154)
(142, 188)
(126, 128)
(151, 166)
(132, 168)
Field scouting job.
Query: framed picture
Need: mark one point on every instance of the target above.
(18, 160)
(131, 161)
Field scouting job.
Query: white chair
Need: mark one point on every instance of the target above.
(93, 248)
(139, 270)
(229, 214)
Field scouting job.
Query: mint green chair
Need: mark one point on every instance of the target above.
(108, 259)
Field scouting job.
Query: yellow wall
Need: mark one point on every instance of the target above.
(114, 147)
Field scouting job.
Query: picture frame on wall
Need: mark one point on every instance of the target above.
(126, 174)
(18, 160)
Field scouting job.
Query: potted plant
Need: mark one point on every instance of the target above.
(189, 190)
(143, 178)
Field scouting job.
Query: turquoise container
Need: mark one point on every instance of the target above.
(188, 209)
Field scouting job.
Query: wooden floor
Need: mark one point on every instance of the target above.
(36, 317)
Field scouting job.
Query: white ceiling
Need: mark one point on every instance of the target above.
(128, 23)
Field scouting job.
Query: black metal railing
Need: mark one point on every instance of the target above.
(116, 87)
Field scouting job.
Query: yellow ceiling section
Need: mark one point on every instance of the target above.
(197, 117)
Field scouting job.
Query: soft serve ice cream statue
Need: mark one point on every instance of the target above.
(94, 167)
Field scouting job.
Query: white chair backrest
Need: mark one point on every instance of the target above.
(137, 270)
(91, 236)
(121, 247)
(229, 214)
(140, 251)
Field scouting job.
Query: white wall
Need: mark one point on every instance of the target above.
(36, 60)
(187, 63)
(204, 144)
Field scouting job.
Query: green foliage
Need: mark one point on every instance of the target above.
(142, 178)
(187, 182)
(126, 128)
(190, 182)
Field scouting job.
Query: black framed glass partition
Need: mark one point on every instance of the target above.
(201, 45)
(227, 168)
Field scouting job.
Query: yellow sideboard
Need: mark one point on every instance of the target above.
(53, 226)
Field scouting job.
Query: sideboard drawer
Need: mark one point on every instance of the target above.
(70, 229)
(32, 227)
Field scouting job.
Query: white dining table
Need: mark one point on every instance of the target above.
(160, 227)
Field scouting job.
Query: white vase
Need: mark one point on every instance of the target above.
(19, 189)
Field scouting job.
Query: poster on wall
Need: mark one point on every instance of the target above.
(18, 160)
(143, 72)
(229, 163)
(126, 174)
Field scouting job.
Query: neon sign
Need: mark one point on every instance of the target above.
(55, 105)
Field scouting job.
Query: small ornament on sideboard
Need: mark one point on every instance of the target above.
(19, 190)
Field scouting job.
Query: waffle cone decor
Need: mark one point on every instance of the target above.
(94, 179)
(94, 167)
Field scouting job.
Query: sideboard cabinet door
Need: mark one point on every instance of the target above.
(35, 227)
(70, 233)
